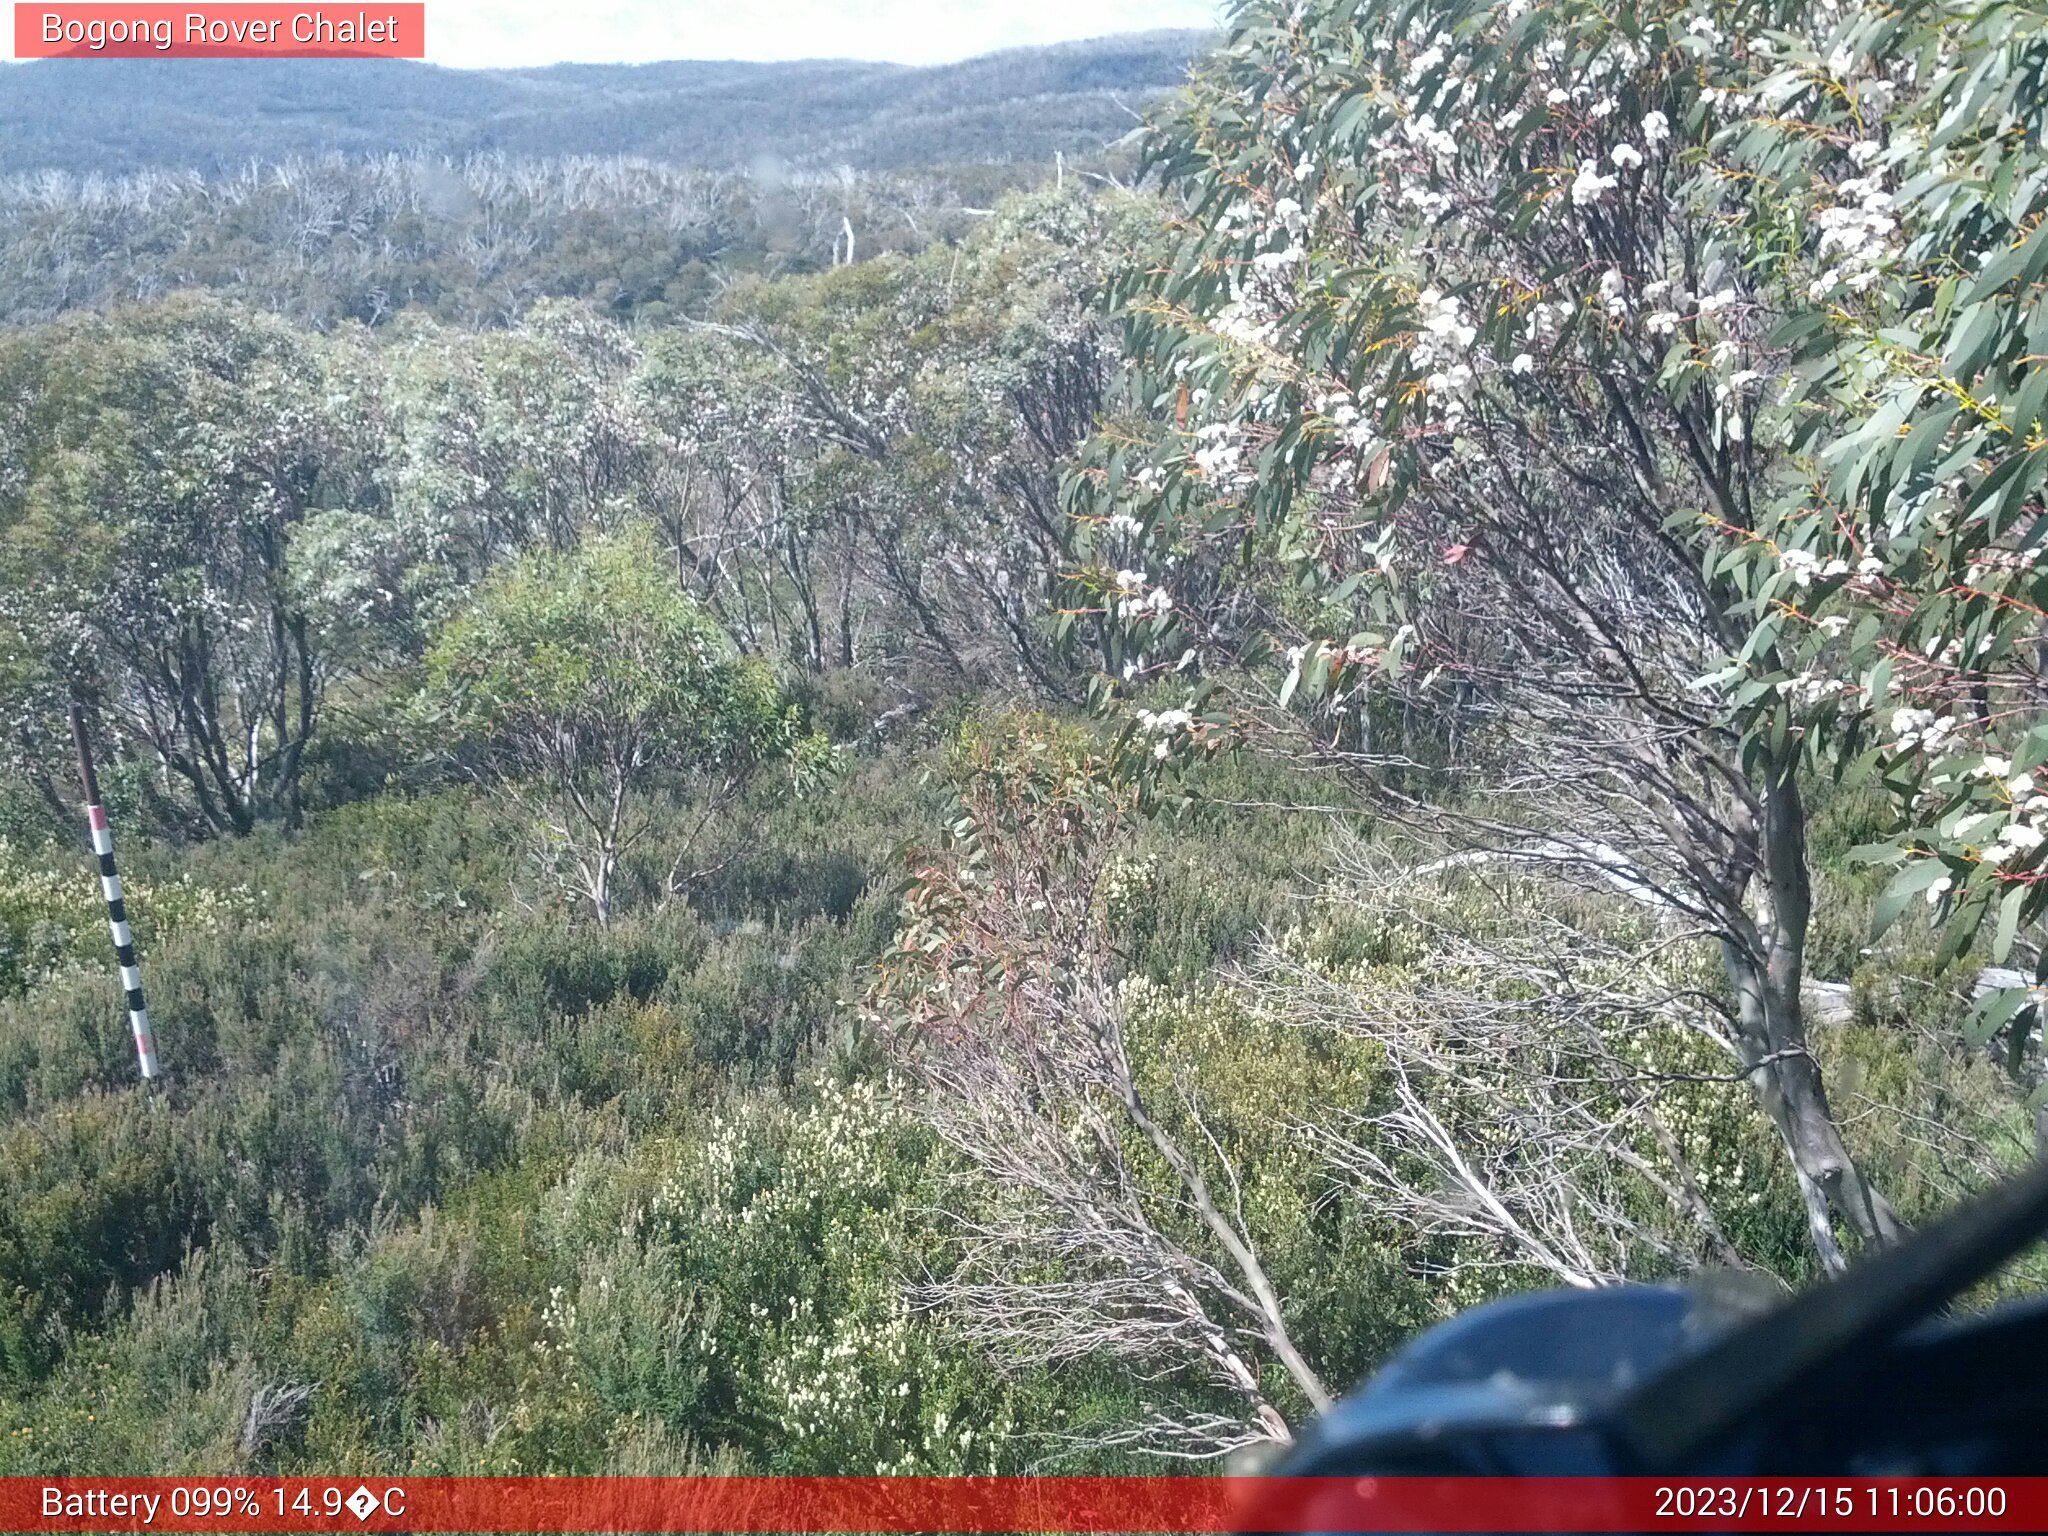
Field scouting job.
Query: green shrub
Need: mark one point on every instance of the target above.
(95, 1199)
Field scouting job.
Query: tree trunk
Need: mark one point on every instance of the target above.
(846, 648)
(1765, 966)
(600, 886)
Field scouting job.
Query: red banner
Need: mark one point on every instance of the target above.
(263, 31)
(995, 1504)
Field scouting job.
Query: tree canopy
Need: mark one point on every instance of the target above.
(1499, 434)
(588, 676)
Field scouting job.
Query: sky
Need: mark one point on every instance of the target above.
(514, 33)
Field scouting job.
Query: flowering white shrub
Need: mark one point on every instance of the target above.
(54, 920)
(801, 1221)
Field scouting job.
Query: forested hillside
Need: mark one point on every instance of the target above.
(477, 241)
(1026, 850)
(329, 191)
(116, 116)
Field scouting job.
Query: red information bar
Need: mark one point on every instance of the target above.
(373, 30)
(984, 1505)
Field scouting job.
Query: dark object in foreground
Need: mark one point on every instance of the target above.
(1859, 1377)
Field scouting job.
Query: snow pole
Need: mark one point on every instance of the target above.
(117, 910)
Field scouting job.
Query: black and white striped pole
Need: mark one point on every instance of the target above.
(117, 911)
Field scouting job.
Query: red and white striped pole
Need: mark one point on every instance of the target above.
(117, 910)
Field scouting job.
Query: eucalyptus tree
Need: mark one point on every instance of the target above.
(1017, 373)
(161, 461)
(504, 440)
(1105, 1216)
(1893, 577)
(730, 449)
(932, 401)
(576, 683)
(1446, 381)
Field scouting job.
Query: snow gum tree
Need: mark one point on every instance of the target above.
(1446, 384)
(1108, 1215)
(160, 464)
(577, 681)
(1892, 187)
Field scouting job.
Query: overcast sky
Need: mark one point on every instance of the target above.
(479, 33)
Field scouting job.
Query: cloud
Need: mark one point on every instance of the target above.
(513, 33)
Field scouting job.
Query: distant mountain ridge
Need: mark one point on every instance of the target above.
(121, 115)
